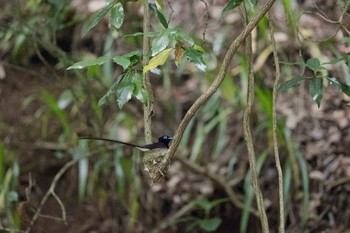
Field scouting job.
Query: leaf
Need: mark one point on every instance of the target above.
(210, 224)
(343, 87)
(313, 64)
(160, 3)
(161, 42)
(179, 52)
(157, 60)
(122, 60)
(316, 89)
(195, 57)
(159, 15)
(83, 64)
(186, 37)
(112, 91)
(230, 6)
(117, 15)
(290, 83)
(94, 19)
(125, 90)
(139, 91)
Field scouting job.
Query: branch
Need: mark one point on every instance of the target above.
(247, 133)
(274, 128)
(147, 110)
(211, 90)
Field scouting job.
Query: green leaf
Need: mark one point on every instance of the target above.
(83, 64)
(122, 60)
(161, 42)
(117, 15)
(125, 90)
(186, 37)
(313, 64)
(196, 57)
(139, 92)
(112, 91)
(316, 89)
(91, 71)
(94, 19)
(159, 15)
(157, 60)
(210, 224)
(290, 83)
(343, 87)
(230, 6)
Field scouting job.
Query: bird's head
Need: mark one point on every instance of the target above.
(165, 139)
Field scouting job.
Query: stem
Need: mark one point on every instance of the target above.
(147, 109)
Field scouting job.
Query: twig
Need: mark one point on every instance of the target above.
(147, 110)
(247, 133)
(51, 191)
(274, 126)
(206, 18)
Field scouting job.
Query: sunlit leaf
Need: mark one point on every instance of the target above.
(95, 18)
(343, 87)
(316, 90)
(290, 83)
(117, 15)
(196, 57)
(210, 224)
(160, 3)
(83, 64)
(230, 6)
(313, 64)
(157, 60)
(159, 14)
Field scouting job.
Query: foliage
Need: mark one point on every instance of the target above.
(316, 80)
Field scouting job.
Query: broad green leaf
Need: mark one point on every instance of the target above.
(122, 60)
(210, 224)
(343, 87)
(111, 92)
(117, 15)
(125, 90)
(290, 83)
(157, 60)
(139, 91)
(196, 57)
(316, 89)
(159, 15)
(83, 64)
(230, 6)
(95, 18)
(313, 64)
(161, 42)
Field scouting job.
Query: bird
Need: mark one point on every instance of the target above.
(163, 142)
